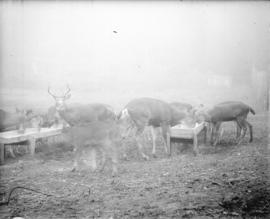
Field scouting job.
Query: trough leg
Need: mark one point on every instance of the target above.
(32, 145)
(2, 153)
(10, 149)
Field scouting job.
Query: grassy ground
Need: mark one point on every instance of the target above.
(221, 182)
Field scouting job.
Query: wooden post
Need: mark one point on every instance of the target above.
(2, 153)
(32, 145)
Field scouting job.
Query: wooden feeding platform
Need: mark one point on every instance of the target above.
(30, 135)
(183, 133)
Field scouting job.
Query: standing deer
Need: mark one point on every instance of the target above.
(224, 112)
(92, 127)
(97, 136)
(143, 112)
(180, 106)
(79, 113)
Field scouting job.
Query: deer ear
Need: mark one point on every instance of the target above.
(67, 96)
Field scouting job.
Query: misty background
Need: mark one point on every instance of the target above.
(111, 52)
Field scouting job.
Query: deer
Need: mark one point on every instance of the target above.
(186, 107)
(224, 112)
(97, 136)
(142, 112)
(78, 113)
(89, 126)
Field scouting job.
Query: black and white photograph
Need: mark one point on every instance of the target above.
(134, 109)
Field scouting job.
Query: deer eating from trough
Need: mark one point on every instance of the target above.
(142, 112)
(224, 112)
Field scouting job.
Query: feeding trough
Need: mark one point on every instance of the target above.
(29, 134)
(183, 132)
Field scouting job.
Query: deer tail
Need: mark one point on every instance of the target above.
(122, 114)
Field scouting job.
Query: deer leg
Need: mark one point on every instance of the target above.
(250, 131)
(148, 134)
(217, 133)
(165, 130)
(243, 126)
(139, 144)
(238, 131)
(212, 132)
(154, 141)
(208, 131)
(114, 159)
(93, 157)
(104, 159)
(125, 137)
(78, 153)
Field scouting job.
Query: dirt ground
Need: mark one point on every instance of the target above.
(226, 181)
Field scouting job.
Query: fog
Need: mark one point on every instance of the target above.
(111, 52)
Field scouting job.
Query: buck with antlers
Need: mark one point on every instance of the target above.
(80, 113)
(92, 128)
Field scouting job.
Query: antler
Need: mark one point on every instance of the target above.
(49, 91)
(63, 96)
(68, 90)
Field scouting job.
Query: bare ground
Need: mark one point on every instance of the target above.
(228, 181)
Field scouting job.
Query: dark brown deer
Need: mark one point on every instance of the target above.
(224, 112)
(143, 112)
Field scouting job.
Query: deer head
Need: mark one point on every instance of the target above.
(60, 100)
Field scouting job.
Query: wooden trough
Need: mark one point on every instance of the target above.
(30, 135)
(185, 133)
